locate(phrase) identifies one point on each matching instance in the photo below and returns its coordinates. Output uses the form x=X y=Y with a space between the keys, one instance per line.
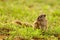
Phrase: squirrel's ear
x=44 y=15
x=38 y=18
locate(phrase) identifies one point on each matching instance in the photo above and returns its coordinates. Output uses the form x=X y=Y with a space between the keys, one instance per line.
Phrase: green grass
x=28 y=11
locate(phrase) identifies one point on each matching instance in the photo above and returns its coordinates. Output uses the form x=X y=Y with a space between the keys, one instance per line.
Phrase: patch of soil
x=19 y=38
x=2 y=37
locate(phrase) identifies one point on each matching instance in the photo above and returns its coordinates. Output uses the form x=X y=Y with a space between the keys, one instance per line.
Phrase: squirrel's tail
x=23 y=23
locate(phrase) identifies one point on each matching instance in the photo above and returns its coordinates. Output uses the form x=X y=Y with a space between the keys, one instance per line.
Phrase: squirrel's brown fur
x=40 y=23
x=22 y=23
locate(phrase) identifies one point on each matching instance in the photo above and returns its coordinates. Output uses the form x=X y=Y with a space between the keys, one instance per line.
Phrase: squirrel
x=40 y=23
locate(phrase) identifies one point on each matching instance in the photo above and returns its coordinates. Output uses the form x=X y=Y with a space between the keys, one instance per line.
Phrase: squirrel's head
x=41 y=17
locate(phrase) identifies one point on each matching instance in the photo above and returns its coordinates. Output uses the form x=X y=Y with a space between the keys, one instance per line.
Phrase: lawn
x=28 y=11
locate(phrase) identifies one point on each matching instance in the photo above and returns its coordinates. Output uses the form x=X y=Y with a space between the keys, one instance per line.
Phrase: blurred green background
x=28 y=11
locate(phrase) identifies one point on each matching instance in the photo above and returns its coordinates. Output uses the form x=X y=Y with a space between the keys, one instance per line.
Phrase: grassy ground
x=28 y=11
